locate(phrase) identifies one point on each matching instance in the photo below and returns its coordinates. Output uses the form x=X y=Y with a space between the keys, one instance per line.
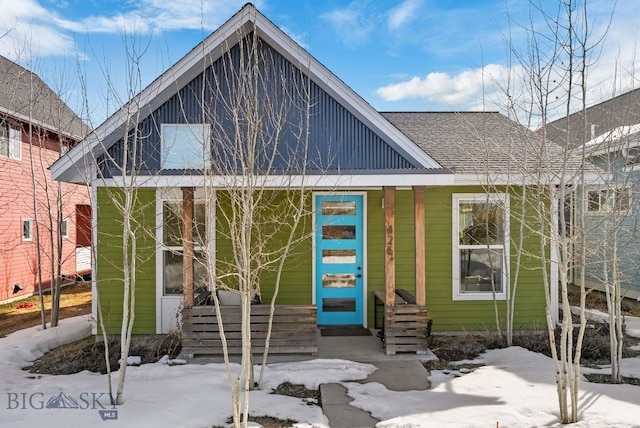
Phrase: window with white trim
x=185 y=146
x=27 y=226
x=480 y=246
x=632 y=155
x=64 y=228
x=10 y=141
x=173 y=249
x=605 y=200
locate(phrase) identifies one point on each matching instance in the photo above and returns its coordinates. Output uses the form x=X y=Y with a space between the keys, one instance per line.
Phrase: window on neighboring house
x=173 y=249
x=27 y=229
x=185 y=146
x=64 y=148
x=633 y=156
x=10 y=141
x=608 y=200
x=480 y=246
x=64 y=228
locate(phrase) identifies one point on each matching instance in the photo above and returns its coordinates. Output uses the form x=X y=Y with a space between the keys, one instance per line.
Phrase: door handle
x=359 y=275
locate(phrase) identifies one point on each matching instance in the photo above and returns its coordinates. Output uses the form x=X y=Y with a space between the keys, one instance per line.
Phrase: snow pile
x=514 y=388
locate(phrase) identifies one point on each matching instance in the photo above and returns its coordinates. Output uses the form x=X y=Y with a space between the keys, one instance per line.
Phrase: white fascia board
x=288 y=182
x=513 y=180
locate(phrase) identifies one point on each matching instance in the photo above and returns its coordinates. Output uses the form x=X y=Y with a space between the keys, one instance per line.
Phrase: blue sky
x=422 y=55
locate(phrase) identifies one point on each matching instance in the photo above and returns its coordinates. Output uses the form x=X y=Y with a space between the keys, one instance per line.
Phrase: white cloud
x=26 y=31
x=462 y=90
x=46 y=33
x=402 y=14
x=613 y=69
x=354 y=23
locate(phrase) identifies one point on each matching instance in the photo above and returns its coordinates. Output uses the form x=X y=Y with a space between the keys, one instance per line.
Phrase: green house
x=422 y=202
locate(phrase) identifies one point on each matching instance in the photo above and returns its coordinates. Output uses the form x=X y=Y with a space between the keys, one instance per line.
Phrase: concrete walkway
x=400 y=372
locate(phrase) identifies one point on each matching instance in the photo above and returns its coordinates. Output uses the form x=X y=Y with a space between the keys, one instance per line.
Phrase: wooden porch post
x=389 y=246
x=187 y=246
x=418 y=215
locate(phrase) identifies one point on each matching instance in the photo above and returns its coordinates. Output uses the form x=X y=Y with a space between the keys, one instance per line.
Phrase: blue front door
x=339 y=247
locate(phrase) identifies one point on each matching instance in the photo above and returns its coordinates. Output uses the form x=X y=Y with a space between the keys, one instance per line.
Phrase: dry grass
x=74 y=300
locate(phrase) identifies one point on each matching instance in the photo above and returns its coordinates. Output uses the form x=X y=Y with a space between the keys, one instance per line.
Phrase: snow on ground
x=515 y=388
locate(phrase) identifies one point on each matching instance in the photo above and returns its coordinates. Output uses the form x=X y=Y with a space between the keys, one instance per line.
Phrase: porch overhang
x=325 y=181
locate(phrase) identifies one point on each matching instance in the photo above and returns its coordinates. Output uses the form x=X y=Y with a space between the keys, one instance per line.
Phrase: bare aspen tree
x=254 y=181
x=48 y=125
x=554 y=69
x=117 y=177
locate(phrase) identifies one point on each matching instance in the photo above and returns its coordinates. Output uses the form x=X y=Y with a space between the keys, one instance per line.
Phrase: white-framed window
x=632 y=155
x=27 y=229
x=480 y=246
x=185 y=146
x=10 y=141
x=173 y=249
x=605 y=200
x=64 y=228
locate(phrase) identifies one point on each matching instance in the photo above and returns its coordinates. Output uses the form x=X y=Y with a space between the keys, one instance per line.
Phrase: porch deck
x=294 y=330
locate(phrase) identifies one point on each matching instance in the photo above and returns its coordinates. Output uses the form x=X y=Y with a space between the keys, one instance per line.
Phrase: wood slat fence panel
x=294 y=330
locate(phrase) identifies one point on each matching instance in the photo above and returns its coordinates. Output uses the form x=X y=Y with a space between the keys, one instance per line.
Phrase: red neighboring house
x=36 y=127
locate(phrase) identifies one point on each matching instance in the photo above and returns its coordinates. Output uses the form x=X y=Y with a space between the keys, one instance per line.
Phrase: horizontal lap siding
x=18 y=258
x=449 y=315
x=109 y=258
x=296 y=280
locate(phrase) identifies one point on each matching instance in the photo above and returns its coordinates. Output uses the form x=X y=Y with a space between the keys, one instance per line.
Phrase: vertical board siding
x=337 y=138
x=109 y=259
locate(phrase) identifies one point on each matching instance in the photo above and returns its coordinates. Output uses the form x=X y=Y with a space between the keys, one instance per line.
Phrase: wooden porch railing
x=407 y=326
x=294 y=330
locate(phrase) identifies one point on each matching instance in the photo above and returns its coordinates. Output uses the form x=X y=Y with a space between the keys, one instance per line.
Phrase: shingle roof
x=480 y=142
x=606 y=116
x=24 y=96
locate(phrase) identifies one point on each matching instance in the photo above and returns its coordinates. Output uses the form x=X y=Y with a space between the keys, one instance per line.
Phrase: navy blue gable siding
x=337 y=140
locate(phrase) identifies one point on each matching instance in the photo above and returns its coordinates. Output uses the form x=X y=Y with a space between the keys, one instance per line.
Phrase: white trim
x=607 y=208
x=369 y=181
x=204 y=129
x=159 y=261
x=174 y=195
x=364 y=248
x=22 y=224
x=554 y=265
x=497 y=179
x=94 y=259
x=503 y=199
x=65 y=233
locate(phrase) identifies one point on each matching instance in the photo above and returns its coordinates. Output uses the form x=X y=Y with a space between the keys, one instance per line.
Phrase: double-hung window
x=185 y=146
x=480 y=246
x=173 y=248
x=10 y=141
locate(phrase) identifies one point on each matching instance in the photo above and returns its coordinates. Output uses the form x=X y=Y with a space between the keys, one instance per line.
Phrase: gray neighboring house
x=609 y=133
